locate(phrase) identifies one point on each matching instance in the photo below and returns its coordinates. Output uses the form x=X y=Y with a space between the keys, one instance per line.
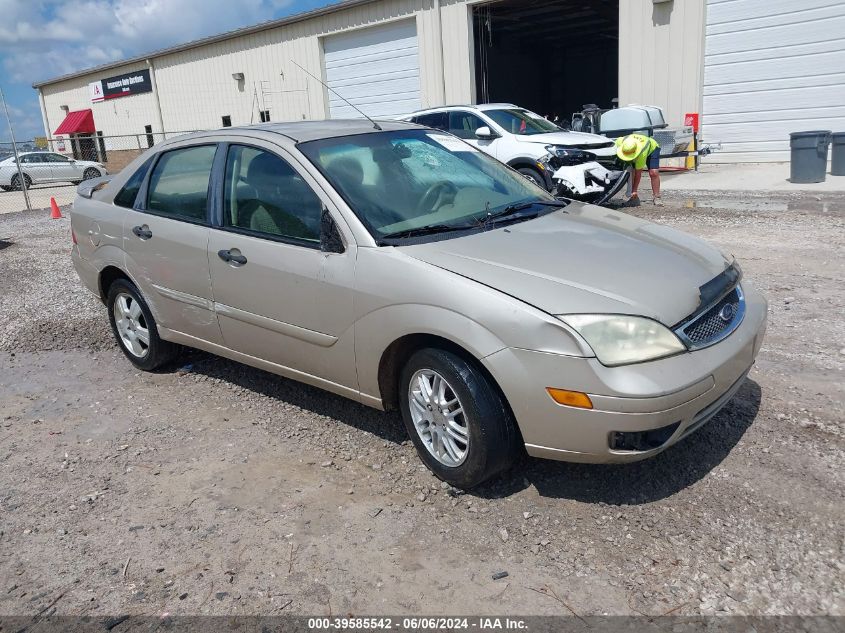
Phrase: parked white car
x=515 y=136
x=46 y=167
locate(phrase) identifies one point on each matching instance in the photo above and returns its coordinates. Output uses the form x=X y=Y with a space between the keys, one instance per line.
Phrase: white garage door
x=772 y=67
x=377 y=69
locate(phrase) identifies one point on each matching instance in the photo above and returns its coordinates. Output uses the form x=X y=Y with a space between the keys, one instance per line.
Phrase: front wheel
x=135 y=329
x=90 y=174
x=533 y=175
x=458 y=421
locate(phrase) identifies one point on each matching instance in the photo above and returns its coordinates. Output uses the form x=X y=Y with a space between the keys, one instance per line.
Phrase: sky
x=41 y=39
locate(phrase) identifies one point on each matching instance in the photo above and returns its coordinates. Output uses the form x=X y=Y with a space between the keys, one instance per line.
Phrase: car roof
x=301 y=131
x=481 y=107
x=496 y=106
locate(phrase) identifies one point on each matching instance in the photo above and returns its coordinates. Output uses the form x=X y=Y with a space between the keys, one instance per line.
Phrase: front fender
x=375 y=332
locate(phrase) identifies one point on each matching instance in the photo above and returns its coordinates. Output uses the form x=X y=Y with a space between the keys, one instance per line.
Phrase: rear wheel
x=16 y=182
x=457 y=420
x=135 y=329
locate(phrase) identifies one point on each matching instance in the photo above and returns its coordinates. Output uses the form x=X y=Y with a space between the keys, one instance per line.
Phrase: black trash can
x=837 y=158
x=808 y=156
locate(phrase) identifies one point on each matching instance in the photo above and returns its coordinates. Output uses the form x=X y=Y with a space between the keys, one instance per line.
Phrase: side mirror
x=485 y=134
x=72 y=160
x=330 y=240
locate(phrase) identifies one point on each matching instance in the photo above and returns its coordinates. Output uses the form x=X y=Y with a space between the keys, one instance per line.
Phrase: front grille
x=716 y=323
x=593 y=146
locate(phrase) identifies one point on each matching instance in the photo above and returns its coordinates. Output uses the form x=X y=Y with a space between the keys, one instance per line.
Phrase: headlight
x=620 y=340
x=569 y=156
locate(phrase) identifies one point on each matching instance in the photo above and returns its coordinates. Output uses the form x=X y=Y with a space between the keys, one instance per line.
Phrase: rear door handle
x=232 y=256
x=143 y=232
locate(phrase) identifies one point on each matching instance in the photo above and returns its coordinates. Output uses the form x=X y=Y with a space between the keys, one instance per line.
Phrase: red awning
x=79 y=122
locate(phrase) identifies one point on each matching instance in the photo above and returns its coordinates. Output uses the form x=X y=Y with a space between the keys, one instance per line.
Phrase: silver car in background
x=46 y=167
x=403 y=268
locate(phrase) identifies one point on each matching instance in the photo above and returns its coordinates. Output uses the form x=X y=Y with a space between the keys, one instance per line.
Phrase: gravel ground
x=216 y=488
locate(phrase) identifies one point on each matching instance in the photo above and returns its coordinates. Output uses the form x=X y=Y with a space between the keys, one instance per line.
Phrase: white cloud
x=41 y=39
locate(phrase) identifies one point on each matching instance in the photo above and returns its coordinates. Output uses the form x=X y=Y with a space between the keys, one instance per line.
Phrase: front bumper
x=687 y=389
x=590 y=182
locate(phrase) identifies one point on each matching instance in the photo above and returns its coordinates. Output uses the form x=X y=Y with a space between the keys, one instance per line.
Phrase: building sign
x=121 y=86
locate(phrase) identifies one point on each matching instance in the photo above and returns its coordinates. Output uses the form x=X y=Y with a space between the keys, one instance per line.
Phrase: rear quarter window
x=126 y=196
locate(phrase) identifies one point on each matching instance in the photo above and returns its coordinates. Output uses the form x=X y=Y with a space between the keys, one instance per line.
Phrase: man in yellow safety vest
x=639 y=152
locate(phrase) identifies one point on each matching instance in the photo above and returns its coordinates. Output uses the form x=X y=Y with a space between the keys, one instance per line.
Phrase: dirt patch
x=217 y=488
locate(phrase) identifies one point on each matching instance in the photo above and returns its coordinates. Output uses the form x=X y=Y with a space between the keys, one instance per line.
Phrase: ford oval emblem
x=727 y=313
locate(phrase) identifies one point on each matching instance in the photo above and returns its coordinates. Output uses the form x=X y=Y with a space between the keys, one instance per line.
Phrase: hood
x=564 y=138
x=585 y=259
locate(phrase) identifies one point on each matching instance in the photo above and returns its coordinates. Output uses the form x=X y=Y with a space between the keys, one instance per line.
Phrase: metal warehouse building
x=755 y=69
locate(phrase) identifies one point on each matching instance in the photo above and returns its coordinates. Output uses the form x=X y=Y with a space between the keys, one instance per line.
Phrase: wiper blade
x=516 y=208
x=429 y=229
x=527 y=205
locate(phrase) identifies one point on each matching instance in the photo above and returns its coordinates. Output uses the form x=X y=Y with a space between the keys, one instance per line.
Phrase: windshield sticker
x=451 y=143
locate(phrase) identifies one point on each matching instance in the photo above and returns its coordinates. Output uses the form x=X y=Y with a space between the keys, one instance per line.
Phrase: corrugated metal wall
x=660 y=55
x=196 y=87
x=772 y=67
x=126 y=115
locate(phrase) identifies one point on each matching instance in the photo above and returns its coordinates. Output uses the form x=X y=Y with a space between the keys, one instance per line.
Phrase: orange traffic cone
x=55 y=214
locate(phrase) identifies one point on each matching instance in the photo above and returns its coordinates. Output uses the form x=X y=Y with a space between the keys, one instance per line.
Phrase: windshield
x=522 y=122
x=405 y=180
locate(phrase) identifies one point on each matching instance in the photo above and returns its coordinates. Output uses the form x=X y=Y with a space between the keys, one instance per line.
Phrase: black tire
x=159 y=352
x=493 y=437
x=16 y=182
x=533 y=175
x=5 y=187
x=90 y=174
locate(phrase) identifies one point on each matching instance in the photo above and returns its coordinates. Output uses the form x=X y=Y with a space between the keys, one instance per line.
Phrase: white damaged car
x=571 y=164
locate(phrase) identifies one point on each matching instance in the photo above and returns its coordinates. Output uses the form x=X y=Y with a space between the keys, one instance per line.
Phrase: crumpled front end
x=576 y=174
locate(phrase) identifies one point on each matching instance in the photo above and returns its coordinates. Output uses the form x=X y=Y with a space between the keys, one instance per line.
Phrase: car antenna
x=328 y=87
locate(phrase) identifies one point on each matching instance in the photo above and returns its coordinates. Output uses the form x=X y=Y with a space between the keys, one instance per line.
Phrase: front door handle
x=143 y=232
x=232 y=256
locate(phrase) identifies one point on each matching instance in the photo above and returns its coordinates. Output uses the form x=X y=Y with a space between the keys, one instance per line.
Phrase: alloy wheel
x=438 y=417
x=131 y=325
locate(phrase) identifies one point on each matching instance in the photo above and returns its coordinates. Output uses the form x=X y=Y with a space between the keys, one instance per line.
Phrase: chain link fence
x=52 y=167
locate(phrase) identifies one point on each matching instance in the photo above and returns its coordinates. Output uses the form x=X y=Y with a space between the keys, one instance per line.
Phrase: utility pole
x=15 y=150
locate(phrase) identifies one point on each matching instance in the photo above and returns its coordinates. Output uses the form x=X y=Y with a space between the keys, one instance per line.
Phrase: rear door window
x=437 y=120
x=56 y=158
x=179 y=183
